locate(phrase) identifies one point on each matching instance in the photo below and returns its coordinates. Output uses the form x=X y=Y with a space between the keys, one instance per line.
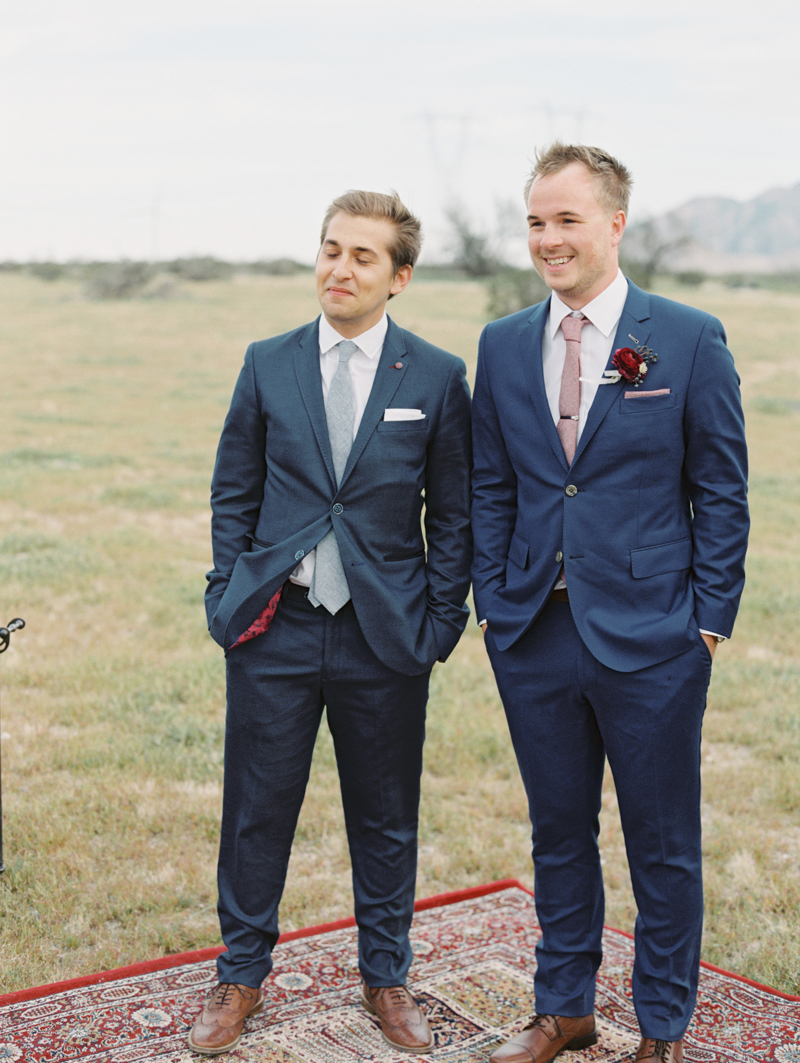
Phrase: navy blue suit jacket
x=651 y=518
x=274 y=495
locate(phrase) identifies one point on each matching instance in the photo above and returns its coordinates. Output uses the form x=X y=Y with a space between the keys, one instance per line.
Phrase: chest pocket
x=640 y=402
x=419 y=425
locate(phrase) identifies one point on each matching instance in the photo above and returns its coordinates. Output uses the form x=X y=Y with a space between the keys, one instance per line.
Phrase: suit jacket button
x=572 y=490
x=299 y=555
x=338 y=508
x=559 y=557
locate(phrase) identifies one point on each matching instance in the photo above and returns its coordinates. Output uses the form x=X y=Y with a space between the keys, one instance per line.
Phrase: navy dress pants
x=278 y=685
x=566 y=713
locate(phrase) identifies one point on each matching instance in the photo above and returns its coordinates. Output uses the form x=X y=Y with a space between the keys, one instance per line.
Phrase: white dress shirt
x=363 y=366
x=597 y=338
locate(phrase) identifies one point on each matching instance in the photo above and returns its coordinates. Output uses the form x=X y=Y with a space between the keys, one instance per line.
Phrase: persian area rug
x=474 y=960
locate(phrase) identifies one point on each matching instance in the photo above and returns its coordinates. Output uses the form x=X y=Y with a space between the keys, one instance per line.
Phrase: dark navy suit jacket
x=650 y=522
x=274 y=495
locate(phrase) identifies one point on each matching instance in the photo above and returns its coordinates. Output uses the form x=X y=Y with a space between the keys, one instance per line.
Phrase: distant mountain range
x=720 y=235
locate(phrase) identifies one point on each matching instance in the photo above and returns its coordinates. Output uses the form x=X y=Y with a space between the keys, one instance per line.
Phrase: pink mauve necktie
x=569 y=399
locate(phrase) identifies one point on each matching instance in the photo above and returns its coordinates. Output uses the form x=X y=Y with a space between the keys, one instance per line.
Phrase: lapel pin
x=397 y=365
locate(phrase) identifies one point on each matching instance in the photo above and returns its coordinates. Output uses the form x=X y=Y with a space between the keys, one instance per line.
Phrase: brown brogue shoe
x=402 y=1023
x=660 y=1051
x=546 y=1037
x=218 y=1027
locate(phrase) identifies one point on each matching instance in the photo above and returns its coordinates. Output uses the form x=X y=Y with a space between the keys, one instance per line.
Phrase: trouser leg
x=561 y=758
x=377 y=720
x=651 y=722
x=273 y=714
x=564 y=708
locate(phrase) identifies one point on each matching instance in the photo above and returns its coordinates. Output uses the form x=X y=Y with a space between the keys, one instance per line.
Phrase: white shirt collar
x=370 y=342
x=604 y=311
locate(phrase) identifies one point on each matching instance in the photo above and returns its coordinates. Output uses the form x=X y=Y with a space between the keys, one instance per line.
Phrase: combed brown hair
x=614 y=180
x=406 y=245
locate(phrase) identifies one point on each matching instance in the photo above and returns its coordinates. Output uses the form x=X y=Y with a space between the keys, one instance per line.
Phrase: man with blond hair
x=610 y=523
x=342 y=546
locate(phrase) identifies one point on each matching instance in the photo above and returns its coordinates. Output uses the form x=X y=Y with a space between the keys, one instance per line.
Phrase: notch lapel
x=633 y=330
x=530 y=348
x=387 y=381
x=309 y=380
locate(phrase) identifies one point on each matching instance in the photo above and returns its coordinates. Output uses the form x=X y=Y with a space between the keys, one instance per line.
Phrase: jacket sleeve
x=494 y=491
x=237 y=486
x=447 y=519
x=715 y=467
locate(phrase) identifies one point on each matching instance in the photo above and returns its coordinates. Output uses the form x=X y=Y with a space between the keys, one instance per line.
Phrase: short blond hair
x=405 y=247
x=614 y=180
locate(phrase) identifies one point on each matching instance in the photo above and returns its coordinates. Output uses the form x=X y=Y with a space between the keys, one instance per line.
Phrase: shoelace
x=543 y=1021
x=224 y=992
x=399 y=996
x=660 y=1050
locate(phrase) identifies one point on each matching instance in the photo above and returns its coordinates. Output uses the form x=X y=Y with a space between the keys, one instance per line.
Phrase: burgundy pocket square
x=261 y=623
x=645 y=394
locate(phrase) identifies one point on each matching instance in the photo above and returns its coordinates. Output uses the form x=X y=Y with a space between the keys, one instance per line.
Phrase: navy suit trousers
x=278 y=685
x=567 y=713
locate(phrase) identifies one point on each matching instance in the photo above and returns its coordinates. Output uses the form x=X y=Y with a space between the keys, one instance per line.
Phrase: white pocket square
x=403 y=415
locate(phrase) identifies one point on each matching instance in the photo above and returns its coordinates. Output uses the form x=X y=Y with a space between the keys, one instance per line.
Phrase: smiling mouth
x=558 y=261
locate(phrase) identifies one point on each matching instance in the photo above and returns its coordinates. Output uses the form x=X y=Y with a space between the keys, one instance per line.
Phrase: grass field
x=113 y=696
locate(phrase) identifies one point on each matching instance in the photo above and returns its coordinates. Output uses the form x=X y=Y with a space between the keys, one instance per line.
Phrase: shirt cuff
x=714 y=635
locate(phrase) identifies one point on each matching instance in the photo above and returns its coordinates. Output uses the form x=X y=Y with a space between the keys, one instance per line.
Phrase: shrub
x=205 y=268
x=512 y=290
x=117 y=280
x=278 y=267
x=691 y=278
x=47 y=271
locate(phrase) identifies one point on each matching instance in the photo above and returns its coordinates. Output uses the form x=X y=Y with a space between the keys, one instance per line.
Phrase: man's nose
x=551 y=236
x=343 y=267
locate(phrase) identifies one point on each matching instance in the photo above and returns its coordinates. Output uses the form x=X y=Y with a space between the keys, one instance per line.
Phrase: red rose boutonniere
x=631 y=365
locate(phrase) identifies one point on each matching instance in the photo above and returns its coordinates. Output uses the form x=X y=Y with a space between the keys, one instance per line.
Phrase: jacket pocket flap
x=518 y=552
x=258 y=542
x=656 y=560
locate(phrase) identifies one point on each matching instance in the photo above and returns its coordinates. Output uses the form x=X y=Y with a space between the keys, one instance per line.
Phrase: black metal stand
x=5 y=638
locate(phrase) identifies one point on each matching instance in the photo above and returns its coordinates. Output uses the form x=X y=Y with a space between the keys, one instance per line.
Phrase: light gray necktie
x=329 y=585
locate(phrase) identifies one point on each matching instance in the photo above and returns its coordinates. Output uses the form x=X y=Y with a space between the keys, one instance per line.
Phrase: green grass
x=112 y=710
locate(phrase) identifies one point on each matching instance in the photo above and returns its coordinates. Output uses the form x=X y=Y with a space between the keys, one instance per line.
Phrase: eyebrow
x=561 y=214
x=358 y=250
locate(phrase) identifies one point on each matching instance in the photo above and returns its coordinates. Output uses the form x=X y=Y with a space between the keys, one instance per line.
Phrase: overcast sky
x=161 y=128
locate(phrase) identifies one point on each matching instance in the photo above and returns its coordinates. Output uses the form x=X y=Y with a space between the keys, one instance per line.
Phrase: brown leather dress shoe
x=402 y=1023
x=660 y=1051
x=218 y=1027
x=545 y=1038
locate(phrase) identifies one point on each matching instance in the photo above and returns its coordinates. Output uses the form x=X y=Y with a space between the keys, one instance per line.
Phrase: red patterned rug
x=474 y=957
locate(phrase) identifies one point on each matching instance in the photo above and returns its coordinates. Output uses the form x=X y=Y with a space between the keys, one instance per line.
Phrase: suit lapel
x=632 y=331
x=530 y=347
x=309 y=380
x=387 y=381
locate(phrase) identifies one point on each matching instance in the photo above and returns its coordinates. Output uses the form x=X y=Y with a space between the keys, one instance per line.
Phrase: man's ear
x=400 y=282
x=618 y=222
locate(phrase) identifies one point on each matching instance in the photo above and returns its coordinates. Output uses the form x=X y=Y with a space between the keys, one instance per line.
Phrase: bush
x=47 y=271
x=117 y=280
x=513 y=290
x=204 y=268
x=278 y=267
x=690 y=278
